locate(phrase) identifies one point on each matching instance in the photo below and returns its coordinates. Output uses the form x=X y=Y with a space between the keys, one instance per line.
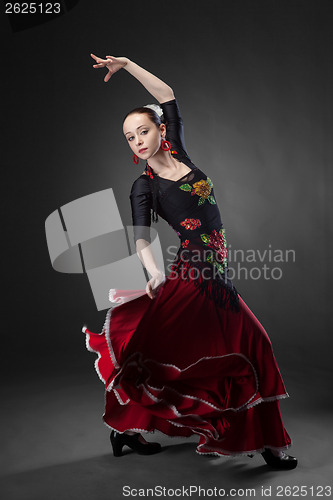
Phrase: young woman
x=188 y=356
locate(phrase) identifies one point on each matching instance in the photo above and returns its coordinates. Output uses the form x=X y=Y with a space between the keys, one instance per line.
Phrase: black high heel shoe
x=286 y=462
x=132 y=441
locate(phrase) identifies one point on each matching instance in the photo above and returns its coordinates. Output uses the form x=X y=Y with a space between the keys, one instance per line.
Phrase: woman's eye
x=130 y=138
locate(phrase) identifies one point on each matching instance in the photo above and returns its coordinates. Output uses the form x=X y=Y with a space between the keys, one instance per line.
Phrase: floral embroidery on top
x=149 y=171
x=202 y=189
x=216 y=240
x=191 y=223
x=185 y=243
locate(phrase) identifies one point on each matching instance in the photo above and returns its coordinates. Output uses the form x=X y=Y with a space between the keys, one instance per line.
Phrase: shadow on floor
x=104 y=477
x=54 y=447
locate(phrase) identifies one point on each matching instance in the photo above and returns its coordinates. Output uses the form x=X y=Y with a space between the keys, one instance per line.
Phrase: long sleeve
x=141 y=204
x=175 y=127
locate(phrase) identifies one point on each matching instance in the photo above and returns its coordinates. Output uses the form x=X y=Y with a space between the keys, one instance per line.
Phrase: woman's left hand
x=113 y=64
x=154 y=285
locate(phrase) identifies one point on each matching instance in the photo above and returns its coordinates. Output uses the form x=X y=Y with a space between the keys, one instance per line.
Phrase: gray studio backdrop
x=253 y=80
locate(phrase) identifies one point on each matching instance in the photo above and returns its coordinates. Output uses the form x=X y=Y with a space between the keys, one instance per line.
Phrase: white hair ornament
x=155 y=107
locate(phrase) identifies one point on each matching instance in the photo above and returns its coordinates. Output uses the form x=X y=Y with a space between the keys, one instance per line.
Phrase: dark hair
x=148 y=111
x=153 y=178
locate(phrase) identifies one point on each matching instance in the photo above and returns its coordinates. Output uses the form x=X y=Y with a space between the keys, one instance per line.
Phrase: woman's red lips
x=142 y=150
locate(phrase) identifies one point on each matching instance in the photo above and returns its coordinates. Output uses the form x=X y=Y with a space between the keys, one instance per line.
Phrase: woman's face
x=143 y=135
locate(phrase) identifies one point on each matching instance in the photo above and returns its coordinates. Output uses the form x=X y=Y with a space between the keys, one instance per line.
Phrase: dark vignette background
x=254 y=83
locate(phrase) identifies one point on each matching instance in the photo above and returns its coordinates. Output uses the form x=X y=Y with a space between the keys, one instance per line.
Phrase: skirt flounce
x=182 y=365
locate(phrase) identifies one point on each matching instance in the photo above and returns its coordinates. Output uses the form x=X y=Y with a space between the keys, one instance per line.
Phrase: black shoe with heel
x=286 y=462
x=132 y=441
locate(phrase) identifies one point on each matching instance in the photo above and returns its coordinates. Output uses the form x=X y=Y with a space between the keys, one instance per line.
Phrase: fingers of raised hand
x=108 y=76
x=100 y=62
x=97 y=59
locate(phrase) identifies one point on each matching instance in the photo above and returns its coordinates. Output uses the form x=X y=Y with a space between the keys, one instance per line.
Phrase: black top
x=189 y=206
x=141 y=192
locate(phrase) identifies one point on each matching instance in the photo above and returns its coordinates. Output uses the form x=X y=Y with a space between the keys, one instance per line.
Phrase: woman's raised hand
x=113 y=64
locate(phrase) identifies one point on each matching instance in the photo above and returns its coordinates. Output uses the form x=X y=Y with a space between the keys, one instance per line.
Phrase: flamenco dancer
x=187 y=356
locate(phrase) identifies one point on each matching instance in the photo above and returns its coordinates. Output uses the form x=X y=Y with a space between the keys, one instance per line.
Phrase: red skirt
x=182 y=365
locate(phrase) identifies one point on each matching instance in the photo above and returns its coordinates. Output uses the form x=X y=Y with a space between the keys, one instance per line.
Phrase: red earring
x=165 y=145
x=135 y=159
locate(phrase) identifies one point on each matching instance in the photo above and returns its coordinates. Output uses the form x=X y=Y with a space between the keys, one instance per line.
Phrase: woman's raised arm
x=156 y=87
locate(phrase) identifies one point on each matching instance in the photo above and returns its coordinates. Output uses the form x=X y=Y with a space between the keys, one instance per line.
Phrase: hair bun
x=155 y=107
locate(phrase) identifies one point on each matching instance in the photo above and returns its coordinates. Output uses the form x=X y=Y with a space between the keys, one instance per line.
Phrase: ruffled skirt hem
x=186 y=367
